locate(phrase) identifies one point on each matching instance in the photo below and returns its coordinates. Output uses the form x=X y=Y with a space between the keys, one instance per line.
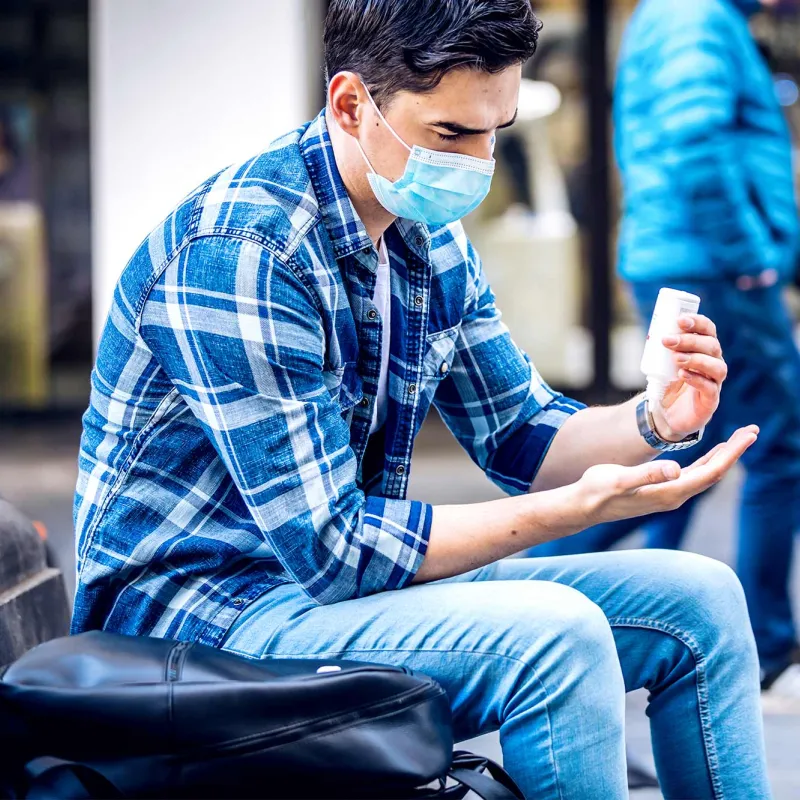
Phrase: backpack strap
x=470 y=770
x=55 y=779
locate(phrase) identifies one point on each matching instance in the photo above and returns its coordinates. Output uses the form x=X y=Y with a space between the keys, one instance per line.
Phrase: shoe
x=780 y=689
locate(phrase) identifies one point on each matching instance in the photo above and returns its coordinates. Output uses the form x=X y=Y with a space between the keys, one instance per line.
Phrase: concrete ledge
x=22 y=551
x=33 y=600
x=34 y=614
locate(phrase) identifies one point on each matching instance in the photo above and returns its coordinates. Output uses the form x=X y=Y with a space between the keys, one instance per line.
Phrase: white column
x=180 y=89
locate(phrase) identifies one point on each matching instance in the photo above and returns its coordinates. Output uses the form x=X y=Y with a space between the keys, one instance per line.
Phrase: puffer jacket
x=703 y=147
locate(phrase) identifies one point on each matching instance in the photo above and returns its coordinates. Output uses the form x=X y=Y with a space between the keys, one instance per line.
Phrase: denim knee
x=709 y=603
x=567 y=698
x=578 y=645
x=711 y=583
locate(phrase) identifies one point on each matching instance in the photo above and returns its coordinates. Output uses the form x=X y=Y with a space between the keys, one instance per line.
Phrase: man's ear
x=346 y=101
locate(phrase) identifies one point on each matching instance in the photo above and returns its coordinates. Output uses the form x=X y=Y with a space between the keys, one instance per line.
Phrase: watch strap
x=647 y=428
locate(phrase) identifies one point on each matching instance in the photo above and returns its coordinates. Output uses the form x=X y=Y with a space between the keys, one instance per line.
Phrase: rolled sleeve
x=517 y=460
x=395 y=536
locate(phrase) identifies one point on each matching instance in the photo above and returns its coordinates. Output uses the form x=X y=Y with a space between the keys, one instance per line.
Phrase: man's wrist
x=662 y=427
x=555 y=513
x=655 y=438
x=579 y=510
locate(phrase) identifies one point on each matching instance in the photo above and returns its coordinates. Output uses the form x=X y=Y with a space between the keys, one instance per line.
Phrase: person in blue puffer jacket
x=709 y=207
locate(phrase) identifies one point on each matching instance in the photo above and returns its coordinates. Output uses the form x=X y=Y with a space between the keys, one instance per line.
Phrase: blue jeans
x=544 y=649
x=763 y=387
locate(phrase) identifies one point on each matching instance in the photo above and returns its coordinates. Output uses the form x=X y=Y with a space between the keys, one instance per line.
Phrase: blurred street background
x=112 y=110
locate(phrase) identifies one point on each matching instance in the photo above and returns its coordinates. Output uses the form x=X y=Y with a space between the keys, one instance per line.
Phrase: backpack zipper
x=175 y=661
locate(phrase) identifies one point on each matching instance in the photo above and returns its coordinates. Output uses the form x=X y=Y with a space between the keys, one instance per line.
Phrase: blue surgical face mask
x=436 y=188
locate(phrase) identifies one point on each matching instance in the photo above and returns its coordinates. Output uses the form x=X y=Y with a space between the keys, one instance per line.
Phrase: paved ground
x=37 y=473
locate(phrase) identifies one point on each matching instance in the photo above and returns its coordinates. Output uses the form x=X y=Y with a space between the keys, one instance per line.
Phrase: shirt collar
x=344 y=226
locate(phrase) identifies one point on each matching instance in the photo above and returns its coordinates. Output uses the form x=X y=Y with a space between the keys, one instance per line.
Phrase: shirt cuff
x=515 y=462
x=395 y=536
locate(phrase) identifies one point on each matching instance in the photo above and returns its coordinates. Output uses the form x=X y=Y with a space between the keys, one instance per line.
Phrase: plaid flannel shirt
x=226 y=446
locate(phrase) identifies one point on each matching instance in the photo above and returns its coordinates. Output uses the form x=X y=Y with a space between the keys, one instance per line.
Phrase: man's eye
x=453 y=137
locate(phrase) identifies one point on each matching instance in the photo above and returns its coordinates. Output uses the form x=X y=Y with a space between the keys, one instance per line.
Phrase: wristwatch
x=647 y=427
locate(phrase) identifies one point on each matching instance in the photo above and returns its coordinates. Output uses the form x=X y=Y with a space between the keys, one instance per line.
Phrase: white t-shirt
x=383 y=302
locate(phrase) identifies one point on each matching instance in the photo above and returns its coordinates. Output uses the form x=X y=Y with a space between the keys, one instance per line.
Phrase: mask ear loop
x=364 y=156
x=383 y=119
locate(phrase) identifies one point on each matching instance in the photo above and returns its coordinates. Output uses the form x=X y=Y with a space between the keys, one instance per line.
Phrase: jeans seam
x=374 y=652
x=712 y=759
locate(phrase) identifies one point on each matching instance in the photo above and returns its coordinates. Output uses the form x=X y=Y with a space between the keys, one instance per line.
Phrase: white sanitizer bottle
x=658 y=363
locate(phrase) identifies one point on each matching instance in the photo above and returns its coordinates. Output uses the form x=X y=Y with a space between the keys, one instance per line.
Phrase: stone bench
x=33 y=600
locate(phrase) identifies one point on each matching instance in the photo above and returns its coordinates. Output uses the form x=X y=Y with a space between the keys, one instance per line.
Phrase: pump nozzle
x=656 y=389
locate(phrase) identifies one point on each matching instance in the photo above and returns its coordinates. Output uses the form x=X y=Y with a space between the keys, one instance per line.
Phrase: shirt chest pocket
x=439 y=355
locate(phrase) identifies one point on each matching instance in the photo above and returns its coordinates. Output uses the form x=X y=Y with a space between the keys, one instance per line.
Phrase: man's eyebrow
x=462 y=130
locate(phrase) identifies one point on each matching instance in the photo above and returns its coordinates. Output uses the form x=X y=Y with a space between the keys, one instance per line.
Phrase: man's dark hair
x=409 y=45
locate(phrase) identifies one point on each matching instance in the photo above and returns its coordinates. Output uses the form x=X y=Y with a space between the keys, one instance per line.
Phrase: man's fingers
x=662 y=485
x=732 y=450
x=703 y=385
x=711 y=453
x=714 y=368
x=697 y=323
x=705 y=459
x=650 y=474
x=694 y=343
x=723 y=458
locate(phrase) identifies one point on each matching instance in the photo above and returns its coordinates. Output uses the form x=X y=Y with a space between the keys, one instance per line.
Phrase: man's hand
x=690 y=401
x=470 y=536
x=609 y=492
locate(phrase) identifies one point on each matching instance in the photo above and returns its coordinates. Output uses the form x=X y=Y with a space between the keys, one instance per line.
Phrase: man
x=272 y=350
x=705 y=157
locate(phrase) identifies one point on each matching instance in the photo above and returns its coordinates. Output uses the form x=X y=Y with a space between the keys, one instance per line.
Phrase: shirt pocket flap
x=345 y=385
x=440 y=354
x=352 y=387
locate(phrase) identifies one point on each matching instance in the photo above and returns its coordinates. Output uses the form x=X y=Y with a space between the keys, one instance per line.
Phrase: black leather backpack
x=101 y=715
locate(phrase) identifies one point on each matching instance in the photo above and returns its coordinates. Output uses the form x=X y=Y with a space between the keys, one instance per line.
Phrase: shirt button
x=400 y=470
x=412 y=389
x=372 y=314
x=444 y=368
x=418 y=301
x=238 y=601
x=419 y=241
x=364 y=402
